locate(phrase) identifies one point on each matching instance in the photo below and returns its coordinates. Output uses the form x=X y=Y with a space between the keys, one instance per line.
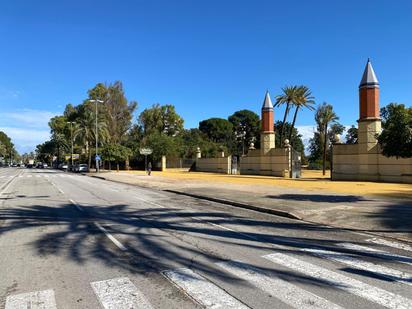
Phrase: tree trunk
x=282 y=131
x=117 y=163
x=110 y=165
x=325 y=134
x=293 y=125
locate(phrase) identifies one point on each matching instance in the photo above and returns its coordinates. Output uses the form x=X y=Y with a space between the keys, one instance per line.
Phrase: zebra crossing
x=122 y=293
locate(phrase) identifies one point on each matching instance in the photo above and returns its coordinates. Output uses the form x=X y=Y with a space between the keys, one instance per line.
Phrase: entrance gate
x=295 y=164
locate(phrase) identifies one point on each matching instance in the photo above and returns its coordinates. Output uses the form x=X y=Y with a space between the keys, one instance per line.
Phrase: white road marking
x=119 y=293
x=201 y=290
x=333 y=279
x=286 y=292
x=38 y=176
x=29 y=176
x=378 y=253
x=392 y=244
x=77 y=205
x=34 y=300
x=111 y=237
x=349 y=260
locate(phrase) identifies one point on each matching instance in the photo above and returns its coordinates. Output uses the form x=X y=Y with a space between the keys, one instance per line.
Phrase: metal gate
x=234 y=165
x=295 y=163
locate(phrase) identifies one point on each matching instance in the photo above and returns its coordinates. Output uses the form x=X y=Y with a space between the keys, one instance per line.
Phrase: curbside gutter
x=272 y=211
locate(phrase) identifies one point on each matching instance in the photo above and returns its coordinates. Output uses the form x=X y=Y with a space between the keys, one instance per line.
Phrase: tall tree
x=246 y=129
x=289 y=96
x=304 y=99
x=218 y=130
x=324 y=117
x=396 y=137
x=118 y=112
x=161 y=119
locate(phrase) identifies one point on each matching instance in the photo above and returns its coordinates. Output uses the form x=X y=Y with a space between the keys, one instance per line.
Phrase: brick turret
x=267 y=136
x=369 y=94
x=369 y=122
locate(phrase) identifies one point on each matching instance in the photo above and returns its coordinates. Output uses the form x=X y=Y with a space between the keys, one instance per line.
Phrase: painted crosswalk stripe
x=378 y=253
x=119 y=293
x=286 y=292
x=392 y=244
x=201 y=290
x=334 y=279
x=34 y=300
x=29 y=176
x=354 y=262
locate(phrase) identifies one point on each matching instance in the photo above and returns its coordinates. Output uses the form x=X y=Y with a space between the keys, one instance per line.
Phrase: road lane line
x=76 y=205
x=34 y=300
x=333 y=279
x=392 y=244
x=202 y=290
x=378 y=253
x=119 y=293
x=281 y=289
x=111 y=237
x=354 y=262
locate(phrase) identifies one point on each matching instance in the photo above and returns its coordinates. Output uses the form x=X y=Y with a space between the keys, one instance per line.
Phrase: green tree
x=161 y=119
x=116 y=153
x=324 y=117
x=246 y=129
x=304 y=99
x=396 y=137
x=193 y=139
x=218 y=130
x=289 y=96
x=163 y=145
x=352 y=135
x=118 y=112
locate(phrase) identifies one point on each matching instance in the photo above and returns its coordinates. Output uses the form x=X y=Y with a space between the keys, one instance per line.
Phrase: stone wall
x=214 y=165
x=275 y=163
x=354 y=162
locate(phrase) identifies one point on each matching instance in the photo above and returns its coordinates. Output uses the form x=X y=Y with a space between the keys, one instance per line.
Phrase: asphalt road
x=71 y=241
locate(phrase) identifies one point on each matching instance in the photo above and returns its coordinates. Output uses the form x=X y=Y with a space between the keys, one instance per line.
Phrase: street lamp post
x=97 y=134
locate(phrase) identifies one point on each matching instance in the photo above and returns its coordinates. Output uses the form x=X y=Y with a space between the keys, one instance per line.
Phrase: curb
x=276 y=212
x=271 y=211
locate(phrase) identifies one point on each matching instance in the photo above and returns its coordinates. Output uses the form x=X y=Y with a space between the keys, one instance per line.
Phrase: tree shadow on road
x=162 y=238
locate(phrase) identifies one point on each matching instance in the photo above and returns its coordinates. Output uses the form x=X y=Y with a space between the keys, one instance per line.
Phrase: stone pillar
x=163 y=167
x=267 y=135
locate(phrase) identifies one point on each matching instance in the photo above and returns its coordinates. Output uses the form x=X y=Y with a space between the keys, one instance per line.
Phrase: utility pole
x=97 y=135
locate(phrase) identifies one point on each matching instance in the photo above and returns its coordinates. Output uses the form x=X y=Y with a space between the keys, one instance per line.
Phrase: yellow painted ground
x=311 y=181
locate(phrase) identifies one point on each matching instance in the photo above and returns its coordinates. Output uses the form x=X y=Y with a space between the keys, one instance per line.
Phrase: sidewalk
x=378 y=208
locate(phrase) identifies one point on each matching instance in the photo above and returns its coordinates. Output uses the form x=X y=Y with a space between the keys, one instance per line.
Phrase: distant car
x=29 y=165
x=64 y=167
x=82 y=168
x=45 y=165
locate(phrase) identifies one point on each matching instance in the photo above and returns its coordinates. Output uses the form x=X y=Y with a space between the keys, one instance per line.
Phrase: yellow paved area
x=310 y=181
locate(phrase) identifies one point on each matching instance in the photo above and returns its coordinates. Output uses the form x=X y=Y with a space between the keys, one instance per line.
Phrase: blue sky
x=208 y=58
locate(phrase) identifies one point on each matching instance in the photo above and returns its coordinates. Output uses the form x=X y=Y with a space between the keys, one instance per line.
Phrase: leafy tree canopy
x=246 y=129
x=396 y=137
x=218 y=130
x=161 y=119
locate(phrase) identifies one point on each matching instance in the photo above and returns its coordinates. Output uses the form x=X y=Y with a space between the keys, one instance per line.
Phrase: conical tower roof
x=369 y=78
x=267 y=103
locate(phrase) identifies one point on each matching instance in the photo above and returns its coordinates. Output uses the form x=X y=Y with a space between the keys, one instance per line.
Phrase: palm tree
x=304 y=99
x=85 y=131
x=290 y=95
x=324 y=117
